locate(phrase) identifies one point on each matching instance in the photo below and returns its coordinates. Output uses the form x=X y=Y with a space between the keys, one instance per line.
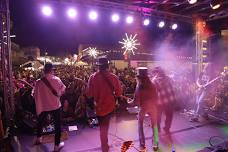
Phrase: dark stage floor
x=185 y=136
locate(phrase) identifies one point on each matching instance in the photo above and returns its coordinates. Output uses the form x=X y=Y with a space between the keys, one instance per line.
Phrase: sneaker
x=155 y=148
x=37 y=141
x=59 y=147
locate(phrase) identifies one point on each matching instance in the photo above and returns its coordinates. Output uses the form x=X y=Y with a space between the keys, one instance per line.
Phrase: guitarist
x=201 y=82
x=104 y=86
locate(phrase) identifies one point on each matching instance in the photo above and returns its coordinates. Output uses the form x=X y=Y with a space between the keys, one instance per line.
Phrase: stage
x=185 y=136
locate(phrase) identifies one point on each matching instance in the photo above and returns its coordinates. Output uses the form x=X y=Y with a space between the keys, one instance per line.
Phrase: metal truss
x=6 y=63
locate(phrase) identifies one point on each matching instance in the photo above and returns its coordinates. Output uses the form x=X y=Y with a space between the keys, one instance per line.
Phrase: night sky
x=60 y=36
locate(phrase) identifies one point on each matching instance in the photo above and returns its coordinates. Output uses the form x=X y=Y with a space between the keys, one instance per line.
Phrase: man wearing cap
x=47 y=94
x=146 y=98
x=103 y=86
x=166 y=96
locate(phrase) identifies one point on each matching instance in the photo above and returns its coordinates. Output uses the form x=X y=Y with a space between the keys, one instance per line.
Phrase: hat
x=159 y=70
x=102 y=61
x=48 y=67
x=142 y=72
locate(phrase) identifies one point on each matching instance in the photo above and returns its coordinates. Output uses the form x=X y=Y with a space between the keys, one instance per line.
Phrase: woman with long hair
x=146 y=98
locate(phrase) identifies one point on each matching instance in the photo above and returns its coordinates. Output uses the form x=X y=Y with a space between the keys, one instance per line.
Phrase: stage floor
x=185 y=136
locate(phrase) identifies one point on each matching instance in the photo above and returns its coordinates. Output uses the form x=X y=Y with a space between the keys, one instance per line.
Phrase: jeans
x=104 y=122
x=168 y=111
x=199 y=102
x=57 y=124
x=152 y=112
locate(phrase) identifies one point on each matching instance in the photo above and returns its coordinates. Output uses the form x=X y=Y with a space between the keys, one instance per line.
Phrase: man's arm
x=89 y=87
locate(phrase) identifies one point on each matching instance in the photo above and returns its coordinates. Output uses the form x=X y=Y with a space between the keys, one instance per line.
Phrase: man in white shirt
x=47 y=94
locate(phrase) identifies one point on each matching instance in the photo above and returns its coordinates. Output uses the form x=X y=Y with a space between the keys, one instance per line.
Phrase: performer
x=146 y=98
x=104 y=87
x=167 y=98
x=203 y=79
x=47 y=94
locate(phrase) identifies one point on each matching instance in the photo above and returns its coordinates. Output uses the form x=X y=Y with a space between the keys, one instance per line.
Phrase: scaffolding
x=6 y=63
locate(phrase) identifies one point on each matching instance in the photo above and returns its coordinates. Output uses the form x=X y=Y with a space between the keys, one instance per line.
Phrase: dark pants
x=57 y=123
x=104 y=122
x=168 y=111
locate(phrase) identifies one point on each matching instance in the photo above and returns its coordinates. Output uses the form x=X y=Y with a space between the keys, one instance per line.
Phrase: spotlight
x=161 y=24
x=71 y=13
x=192 y=1
x=146 y=22
x=93 y=15
x=115 y=17
x=174 y=26
x=46 y=10
x=215 y=4
x=129 y=19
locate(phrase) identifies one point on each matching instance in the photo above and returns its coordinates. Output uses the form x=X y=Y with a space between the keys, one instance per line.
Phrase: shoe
x=195 y=119
x=37 y=141
x=155 y=148
x=142 y=149
x=59 y=147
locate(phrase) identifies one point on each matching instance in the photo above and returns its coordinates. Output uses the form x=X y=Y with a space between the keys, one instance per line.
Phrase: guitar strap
x=47 y=83
x=109 y=84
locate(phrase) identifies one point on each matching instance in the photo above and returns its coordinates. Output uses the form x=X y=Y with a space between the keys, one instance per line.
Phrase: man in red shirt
x=104 y=87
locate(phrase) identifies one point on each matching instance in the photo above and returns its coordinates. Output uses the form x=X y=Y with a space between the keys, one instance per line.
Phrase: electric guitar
x=126 y=145
x=223 y=74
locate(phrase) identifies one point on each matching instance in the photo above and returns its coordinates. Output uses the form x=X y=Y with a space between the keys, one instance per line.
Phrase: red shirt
x=99 y=89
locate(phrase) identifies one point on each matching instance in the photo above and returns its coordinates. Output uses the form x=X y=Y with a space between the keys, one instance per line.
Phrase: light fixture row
x=93 y=15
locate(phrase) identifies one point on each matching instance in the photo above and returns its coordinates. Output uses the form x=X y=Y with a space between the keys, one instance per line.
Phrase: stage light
x=93 y=15
x=161 y=24
x=115 y=17
x=146 y=22
x=174 y=26
x=215 y=4
x=192 y=1
x=129 y=20
x=46 y=10
x=72 y=13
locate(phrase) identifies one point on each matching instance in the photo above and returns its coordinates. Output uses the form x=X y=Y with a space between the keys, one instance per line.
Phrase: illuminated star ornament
x=93 y=52
x=129 y=44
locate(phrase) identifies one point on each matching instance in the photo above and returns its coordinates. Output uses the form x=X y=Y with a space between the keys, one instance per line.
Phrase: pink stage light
x=47 y=10
x=72 y=13
x=93 y=15
x=129 y=20
x=115 y=17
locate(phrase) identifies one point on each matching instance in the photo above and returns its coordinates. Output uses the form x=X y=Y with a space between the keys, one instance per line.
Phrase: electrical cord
x=214 y=141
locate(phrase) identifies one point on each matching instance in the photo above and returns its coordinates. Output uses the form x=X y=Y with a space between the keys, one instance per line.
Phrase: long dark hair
x=145 y=83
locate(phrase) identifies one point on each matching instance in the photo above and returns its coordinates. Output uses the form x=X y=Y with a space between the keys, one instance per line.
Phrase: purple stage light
x=93 y=15
x=161 y=24
x=146 y=22
x=115 y=17
x=72 y=13
x=47 y=10
x=129 y=19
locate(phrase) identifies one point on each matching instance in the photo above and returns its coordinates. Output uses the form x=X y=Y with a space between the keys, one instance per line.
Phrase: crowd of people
x=75 y=80
x=76 y=105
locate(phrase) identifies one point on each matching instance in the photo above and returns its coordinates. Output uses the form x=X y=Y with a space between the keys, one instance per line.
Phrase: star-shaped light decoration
x=93 y=52
x=129 y=44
